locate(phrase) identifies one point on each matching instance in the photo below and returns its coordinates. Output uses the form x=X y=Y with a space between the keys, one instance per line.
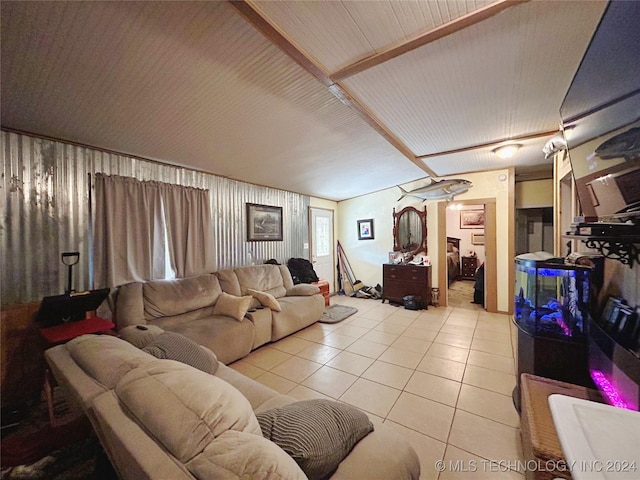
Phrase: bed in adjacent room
x=453 y=259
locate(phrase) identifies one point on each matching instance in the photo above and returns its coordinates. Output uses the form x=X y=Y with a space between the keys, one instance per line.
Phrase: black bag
x=302 y=271
x=412 y=302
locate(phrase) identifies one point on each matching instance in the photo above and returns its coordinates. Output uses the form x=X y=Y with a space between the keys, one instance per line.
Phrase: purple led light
x=565 y=328
x=608 y=389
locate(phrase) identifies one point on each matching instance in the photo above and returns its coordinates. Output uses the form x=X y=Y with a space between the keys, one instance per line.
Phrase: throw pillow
x=318 y=434
x=302 y=290
x=232 y=306
x=266 y=299
x=140 y=335
x=173 y=346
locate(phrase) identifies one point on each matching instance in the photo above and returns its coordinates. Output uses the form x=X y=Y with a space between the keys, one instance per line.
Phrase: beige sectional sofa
x=161 y=419
x=188 y=306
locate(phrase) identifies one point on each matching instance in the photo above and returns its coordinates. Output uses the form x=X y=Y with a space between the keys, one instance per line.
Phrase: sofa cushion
x=229 y=282
x=264 y=278
x=165 y=298
x=106 y=358
x=238 y=455
x=173 y=346
x=297 y=313
x=302 y=290
x=232 y=306
x=317 y=434
x=265 y=299
x=183 y=408
x=229 y=339
x=140 y=335
x=129 y=305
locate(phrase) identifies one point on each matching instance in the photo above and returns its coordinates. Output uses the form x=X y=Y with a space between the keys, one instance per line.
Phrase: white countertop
x=599 y=441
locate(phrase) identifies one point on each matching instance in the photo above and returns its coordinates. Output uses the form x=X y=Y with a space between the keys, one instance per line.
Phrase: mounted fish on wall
x=438 y=190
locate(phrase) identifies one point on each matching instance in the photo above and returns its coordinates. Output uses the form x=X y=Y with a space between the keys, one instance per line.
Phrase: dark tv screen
x=601 y=118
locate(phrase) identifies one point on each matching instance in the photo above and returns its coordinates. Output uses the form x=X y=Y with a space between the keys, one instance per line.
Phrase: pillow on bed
x=455 y=249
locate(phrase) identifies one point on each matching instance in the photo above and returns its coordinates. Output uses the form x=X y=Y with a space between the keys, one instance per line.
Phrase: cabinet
x=401 y=280
x=469 y=266
x=323 y=285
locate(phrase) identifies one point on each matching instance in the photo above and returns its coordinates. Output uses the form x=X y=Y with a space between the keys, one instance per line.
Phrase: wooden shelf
x=624 y=248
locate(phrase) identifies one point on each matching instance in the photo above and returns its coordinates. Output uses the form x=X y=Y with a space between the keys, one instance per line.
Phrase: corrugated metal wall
x=45 y=211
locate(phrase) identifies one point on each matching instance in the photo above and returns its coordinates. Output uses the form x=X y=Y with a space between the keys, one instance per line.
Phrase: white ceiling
x=333 y=99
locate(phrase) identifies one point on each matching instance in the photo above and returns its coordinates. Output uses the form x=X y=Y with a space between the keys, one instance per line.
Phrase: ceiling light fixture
x=507 y=151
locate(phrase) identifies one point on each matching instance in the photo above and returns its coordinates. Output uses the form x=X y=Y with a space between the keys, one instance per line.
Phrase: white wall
x=534 y=194
x=367 y=256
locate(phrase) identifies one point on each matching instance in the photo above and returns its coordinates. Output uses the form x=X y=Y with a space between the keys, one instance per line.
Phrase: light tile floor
x=442 y=377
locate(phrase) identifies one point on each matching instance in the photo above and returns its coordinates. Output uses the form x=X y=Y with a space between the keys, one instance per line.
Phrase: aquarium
x=551 y=298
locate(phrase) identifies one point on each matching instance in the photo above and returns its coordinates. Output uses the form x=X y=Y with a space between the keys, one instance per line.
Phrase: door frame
x=332 y=280
x=490 y=251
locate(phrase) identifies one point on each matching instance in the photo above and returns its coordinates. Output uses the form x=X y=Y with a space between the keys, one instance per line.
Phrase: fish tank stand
x=551 y=308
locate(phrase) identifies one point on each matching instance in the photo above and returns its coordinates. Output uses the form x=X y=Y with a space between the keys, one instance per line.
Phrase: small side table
x=323 y=285
x=68 y=331
x=60 y=334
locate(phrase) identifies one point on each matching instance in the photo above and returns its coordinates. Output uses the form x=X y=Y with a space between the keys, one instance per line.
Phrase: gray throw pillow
x=173 y=346
x=317 y=434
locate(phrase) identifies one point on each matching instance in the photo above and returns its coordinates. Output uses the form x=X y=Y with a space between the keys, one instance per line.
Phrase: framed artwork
x=471 y=218
x=264 y=223
x=365 y=229
x=477 y=238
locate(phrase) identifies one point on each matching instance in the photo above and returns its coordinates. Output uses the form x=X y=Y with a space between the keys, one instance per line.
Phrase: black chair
x=478 y=289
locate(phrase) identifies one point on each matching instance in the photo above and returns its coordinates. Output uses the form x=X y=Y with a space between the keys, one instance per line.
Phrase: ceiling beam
x=279 y=39
x=345 y=97
x=425 y=38
x=495 y=143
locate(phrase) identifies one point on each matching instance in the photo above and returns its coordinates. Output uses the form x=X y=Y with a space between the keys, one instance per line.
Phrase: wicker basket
x=540 y=443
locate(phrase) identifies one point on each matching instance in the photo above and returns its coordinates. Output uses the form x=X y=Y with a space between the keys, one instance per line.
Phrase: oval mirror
x=410 y=230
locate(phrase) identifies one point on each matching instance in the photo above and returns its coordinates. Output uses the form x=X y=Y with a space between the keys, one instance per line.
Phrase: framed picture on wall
x=477 y=238
x=471 y=218
x=365 y=229
x=264 y=223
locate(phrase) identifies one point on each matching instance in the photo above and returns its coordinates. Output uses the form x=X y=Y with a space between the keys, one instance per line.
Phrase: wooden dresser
x=401 y=280
x=469 y=265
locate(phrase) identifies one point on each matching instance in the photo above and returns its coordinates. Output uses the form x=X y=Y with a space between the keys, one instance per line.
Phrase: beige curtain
x=137 y=225
x=187 y=215
x=127 y=213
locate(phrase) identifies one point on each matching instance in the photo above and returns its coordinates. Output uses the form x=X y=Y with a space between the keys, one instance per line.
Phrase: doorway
x=322 y=245
x=490 y=261
x=534 y=230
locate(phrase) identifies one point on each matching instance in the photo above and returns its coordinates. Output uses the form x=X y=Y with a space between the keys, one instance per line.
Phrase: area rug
x=461 y=295
x=337 y=313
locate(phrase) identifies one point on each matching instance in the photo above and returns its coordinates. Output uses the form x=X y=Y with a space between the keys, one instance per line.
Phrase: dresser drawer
x=405 y=273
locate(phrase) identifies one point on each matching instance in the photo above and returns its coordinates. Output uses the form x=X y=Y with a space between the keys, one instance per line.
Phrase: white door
x=322 y=247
